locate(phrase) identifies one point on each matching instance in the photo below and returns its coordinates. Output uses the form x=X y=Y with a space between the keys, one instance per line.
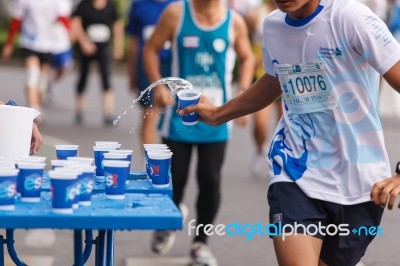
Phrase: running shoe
x=201 y=255
x=162 y=241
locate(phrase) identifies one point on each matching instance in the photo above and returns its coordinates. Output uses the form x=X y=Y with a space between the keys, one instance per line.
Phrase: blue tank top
x=206 y=58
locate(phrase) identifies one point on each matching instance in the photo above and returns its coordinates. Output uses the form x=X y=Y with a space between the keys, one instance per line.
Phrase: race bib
x=216 y=95
x=98 y=33
x=306 y=88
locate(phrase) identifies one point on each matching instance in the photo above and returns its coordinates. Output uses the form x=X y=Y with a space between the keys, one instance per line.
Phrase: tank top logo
x=205 y=60
x=219 y=45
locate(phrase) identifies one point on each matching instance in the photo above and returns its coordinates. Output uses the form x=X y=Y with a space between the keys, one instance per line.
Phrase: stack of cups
x=62 y=163
x=84 y=184
x=63 y=190
x=30 y=177
x=116 y=173
x=8 y=180
x=158 y=164
x=99 y=149
x=65 y=151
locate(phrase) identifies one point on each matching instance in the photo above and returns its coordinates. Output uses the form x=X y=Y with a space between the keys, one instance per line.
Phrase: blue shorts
x=289 y=205
x=142 y=81
x=62 y=60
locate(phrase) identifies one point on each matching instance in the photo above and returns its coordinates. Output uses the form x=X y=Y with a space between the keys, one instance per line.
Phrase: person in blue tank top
x=206 y=37
x=142 y=18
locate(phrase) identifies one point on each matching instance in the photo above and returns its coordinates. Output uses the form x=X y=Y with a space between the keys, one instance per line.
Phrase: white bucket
x=16 y=130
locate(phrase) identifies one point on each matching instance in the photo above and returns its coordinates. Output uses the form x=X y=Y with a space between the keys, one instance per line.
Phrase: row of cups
x=158 y=164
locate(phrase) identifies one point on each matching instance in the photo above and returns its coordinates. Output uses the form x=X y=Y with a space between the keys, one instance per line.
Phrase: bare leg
x=298 y=250
x=148 y=132
x=108 y=102
x=32 y=65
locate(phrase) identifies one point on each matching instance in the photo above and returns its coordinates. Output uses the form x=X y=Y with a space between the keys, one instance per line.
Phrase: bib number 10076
x=305 y=84
x=305 y=87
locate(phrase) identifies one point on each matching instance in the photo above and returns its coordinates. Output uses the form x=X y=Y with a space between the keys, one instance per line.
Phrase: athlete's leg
x=210 y=161
x=148 y=131
x=297 y=250
x=32 y=64
x=84 y=62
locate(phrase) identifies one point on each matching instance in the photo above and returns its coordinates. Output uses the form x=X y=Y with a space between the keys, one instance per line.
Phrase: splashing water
x=175 y=84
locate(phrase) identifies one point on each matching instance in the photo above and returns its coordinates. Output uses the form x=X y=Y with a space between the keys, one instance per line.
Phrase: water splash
x=175 y=85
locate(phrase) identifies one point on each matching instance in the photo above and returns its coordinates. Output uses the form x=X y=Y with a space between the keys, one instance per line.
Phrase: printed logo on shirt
x=219 y=45
x=191 y=41
x=329 y=53
x=205 y=60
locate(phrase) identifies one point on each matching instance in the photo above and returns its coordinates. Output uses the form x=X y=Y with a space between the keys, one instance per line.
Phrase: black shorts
x=44 y=58
x=290 y=206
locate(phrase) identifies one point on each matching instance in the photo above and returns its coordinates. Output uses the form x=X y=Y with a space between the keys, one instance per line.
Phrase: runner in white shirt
x=36 y=19
x=324 y=58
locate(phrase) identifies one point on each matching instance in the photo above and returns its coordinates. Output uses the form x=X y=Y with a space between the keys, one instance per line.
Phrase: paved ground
x=244 y=197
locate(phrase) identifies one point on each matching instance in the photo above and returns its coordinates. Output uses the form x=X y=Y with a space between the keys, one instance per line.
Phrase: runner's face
x=297 y=9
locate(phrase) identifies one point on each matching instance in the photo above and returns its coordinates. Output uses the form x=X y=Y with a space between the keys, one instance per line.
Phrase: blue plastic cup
x=65 y=151
x=86 y=185
x=116 y=173
x=63 y=190
x=62 y=163
x=34 y=159
x=154 y=149
x=29 y=181
x=104 y=143
x=99 y=157
x=74 y=169
x=8 y=180
x=186 y=98
x=160 y=168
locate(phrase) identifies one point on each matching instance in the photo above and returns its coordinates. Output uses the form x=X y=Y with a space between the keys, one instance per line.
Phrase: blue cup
x=65 y=151
x=160 y=168
x=153 y=149
x=8 y=180
x=63 y=190
x=87 y=185
x=74 y=169
x=186 y=98
x=116 y=173
x=99 y=157
x=29 y=181
x=82 y=160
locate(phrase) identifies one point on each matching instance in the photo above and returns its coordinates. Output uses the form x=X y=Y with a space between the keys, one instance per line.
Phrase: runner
x=328 y=150
x=205 y=36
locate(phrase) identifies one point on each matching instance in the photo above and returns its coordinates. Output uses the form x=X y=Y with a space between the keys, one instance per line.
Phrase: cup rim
x=80 y=159
x=159 y=155
x=28 y=158
x=53 y=174
x=104 y=148
x=115 y=163
x=30 y=165
x=8 y=172
x=115 y=156
x=105 y=142
x=122 y=151
x=66 y=147
x=189 y=98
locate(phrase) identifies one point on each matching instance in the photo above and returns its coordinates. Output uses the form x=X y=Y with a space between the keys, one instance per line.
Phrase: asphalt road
x=243 y=199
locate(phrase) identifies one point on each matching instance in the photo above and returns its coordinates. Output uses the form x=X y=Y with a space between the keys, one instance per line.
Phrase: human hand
x=386 y=191
x=36 y=140
x=7 y=51
x=205 y=108
x=88 y=48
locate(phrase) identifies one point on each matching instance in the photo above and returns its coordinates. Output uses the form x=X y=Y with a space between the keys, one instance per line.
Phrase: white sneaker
x=259 y=165
x=202 y=256
x=162 y=242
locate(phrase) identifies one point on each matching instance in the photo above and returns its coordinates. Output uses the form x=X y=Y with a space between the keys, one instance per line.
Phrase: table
x=135 y=212
x=137 y=183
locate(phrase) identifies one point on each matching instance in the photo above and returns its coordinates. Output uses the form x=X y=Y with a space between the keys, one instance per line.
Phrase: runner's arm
x=393 y=77
x=261 y=94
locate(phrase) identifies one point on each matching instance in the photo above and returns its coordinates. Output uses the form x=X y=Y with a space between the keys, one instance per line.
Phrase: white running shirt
x=329 y=140
x=38 y=17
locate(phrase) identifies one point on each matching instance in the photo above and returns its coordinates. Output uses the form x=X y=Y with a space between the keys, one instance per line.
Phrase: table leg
x=88 y=246
x=78 y=248
x=11 y=249
x=2 y=242
x=110 y=248
x=100 y=248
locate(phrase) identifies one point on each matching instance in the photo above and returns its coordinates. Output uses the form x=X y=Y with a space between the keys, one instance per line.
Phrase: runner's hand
x=36 y=140
x=205 y=108
x=386 y=192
